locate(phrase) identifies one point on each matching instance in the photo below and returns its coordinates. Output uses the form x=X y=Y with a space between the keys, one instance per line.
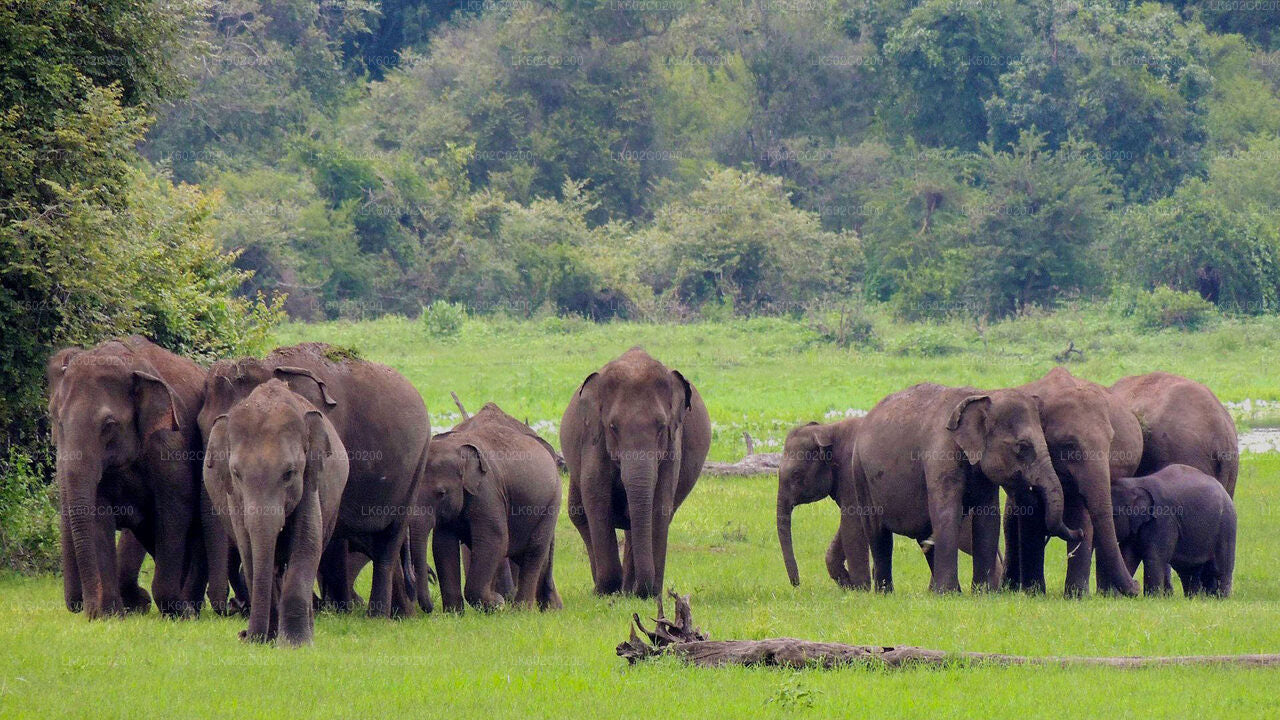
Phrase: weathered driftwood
x=465 y=415
x=754 y=464
x=680 y=638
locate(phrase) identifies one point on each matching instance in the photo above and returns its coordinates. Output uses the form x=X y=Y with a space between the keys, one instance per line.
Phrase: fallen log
x=680 y=638
x=754 y=464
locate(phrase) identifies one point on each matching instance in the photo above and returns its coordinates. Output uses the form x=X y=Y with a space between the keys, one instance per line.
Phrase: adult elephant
x=634 y=437
x=817 y=460
x=927 y=455
x=1092 y=438
x=384 y=426
x=1182 y=422
x=128 y=457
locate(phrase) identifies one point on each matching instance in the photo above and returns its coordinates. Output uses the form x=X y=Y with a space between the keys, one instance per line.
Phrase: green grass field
x=759 y=375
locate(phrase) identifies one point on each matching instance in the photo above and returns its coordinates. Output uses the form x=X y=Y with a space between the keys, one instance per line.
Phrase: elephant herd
x=281 y=477
x=1142 y=472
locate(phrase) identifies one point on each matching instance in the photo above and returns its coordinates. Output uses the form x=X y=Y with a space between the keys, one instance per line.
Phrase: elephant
x=384 y=427
x=925 y=455
x=128 y=457
x=493 y=486
x=276 y=469
x=816 y=459
x=634 y=437
x=1093 y=438
x=1179 y=517
x=1183 y=422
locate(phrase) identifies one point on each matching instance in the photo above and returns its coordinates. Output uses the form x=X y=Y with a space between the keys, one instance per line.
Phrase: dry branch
x=682 y=639
x=456 y=401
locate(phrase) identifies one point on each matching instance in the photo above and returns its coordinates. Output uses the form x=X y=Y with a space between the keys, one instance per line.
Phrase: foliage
x=443 y=319
x=1165 y=307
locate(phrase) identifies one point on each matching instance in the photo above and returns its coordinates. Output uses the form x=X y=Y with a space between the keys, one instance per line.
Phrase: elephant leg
x=532 y=565
x=401 y=604
x=488 y=551
x=945 y=509
x=882 y=555
x=1012 y=549
x=578 y=516
x=447 y=553
x=112 y=603
x=661 y=531
x=129 y=557
x=172 y=525
x=504 y=580
x=1080 y=560
x=335 y=584
x=548 y=596
x=1224 y=562
x=985 y=526
x=856 y=548
x=235 y=576
x=1155 y=572
x=835 y=562
x=421 y=567
x=385 y=551
x=606 y=568
x=1032 y=536
x=216 y=543
x=1192 y=583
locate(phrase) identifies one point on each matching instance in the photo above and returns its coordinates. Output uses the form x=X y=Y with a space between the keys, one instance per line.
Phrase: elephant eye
x=1025 y=450
x=613 y=427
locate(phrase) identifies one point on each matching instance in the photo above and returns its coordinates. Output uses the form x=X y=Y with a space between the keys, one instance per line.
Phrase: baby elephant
x=276 y=469
x=494 y=487
x=1176 y=517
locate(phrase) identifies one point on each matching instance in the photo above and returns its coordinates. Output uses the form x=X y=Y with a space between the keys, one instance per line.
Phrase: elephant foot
x=246 y=636
x=75 y=605
x=236 y=606
x=135 y=599
x=180 y=609
x=108 y=609
x=552 y=602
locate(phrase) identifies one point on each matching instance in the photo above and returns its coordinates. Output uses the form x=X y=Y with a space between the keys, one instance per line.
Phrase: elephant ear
x=319 y=449
x=324 y=389
x=593 y=425
x=54 y=370
x=156 y=405
x=682 y=402
x=217 y=455
x=968 y=426
x=474 y=468
x=824 y=436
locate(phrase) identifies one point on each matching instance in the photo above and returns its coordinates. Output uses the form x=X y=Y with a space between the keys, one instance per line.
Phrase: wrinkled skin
x=1183 y=422
x=124 y=425
x=493 y=486
x=276 y=469
x=1178 y=517
x=634 y=437
x=816 y=460
x=384 y=427
x=926 y=455
x=1092 y=438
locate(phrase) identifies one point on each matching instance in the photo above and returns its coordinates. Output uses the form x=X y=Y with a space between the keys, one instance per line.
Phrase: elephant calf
x=276 y=469
x=1178 y=517
x=493 y=486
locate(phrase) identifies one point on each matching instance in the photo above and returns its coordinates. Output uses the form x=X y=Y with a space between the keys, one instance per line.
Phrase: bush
x=443 y=319
x=1165 y=307
x=925 y=341
x=844 y=325
x=28 y=513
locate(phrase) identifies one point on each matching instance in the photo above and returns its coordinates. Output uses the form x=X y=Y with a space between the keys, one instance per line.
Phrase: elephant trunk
x=1046 y=482
x=785 y=507
x=264 y=529
x=78 y=490
x=639 y=478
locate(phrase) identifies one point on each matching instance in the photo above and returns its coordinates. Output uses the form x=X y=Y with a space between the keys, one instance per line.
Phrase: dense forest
x=198 y=169
x=620 y=158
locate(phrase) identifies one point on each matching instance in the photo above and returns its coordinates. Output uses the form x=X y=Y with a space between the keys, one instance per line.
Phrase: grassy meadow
x=756 y=375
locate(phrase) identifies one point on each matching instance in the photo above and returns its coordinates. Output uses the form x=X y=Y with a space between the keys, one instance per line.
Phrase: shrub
x=926 y=341
x=844 y=325
x=443 y=319
x=1165 y=307
x=28 y=513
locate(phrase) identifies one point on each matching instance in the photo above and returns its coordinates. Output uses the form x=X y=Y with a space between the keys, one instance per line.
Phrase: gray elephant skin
x=128 y=458
x=634 y=437
x=927 y=455
x=1177 y=517
x=384 y=427
x=493 y=486
x=276 y=469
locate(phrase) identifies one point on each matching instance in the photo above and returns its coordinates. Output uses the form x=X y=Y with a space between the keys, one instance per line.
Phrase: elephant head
x=230 y=381
x=263 y=456
x=456 y=469
x=634 y=412
x=806 y=474
x=1132 y=507
x=105 y=404
x=999 y=433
